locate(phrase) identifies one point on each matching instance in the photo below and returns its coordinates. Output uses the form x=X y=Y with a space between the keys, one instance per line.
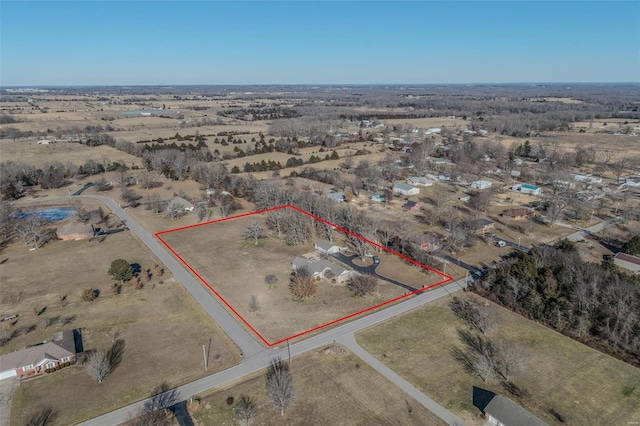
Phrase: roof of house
x=63 y=345
x=324 y=244
x=336 y=196
x=409 y=204
x=186 y=204
x=317 y=267
x=419 y=179
x=481 y=182
x=403 y=187
x=510 y=413
x=627 y=258
x=74 y=228
x=529 y=186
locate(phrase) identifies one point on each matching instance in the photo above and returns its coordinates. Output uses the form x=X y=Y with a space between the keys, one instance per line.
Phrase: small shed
x=481 y=226
x=336 y=197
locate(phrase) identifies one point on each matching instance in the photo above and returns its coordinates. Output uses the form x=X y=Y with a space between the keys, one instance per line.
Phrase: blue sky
x=208 y=42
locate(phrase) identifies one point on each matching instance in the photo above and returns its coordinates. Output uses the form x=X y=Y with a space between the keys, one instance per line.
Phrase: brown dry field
x=29 y=152
x=582 y=384
x=331 y=388
x=237 y=269
x=156 y=322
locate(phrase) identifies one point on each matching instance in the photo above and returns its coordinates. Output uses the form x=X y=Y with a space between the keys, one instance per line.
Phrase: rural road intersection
x=257 y=357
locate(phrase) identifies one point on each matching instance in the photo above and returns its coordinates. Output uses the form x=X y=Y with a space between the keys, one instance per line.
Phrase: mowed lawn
x=162 y=326
x=237 y=269
x=583 y=385
x=331 y=389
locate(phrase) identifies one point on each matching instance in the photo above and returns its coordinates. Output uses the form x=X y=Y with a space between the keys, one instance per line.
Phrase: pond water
x=150 y=111
x=49 y=215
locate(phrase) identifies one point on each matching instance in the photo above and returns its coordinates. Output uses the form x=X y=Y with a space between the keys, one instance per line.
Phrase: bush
x=90 y=294
x=362 y=285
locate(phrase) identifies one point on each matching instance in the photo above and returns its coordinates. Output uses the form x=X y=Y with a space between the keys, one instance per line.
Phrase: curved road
x=369 y=270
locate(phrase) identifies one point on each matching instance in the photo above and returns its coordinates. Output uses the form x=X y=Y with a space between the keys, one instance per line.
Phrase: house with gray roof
x=43 y=357
x=502 y=411
x=404 y=189
x=337 y=197
x=323 y=269
x=326 y=247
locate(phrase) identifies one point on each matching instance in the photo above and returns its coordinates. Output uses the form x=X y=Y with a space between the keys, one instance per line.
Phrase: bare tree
x=510 y=359
x=156 y=411
x=6 y=224
x=148 y=179
x=175 y=209
x=98 y=365
x=254 y=305
x=32 y=230
x=555 y=209
x=280 y=388
x=203 y=212
x=255 y=231
x=271 y=280
x=42 y=416
x=154 y=203
x=302 y=284
x=362 y=285
x=246 y=410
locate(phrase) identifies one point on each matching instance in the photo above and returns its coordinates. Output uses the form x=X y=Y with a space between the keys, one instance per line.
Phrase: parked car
x=501 y=243
x=376 y=259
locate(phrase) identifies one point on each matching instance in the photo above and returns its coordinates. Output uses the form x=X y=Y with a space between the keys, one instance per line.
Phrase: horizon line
x=21 y=86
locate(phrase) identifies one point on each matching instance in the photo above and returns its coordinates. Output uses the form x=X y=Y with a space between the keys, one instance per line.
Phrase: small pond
x=50 y=215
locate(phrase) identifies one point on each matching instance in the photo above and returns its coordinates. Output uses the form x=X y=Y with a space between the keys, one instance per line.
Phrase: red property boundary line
x=446 y=278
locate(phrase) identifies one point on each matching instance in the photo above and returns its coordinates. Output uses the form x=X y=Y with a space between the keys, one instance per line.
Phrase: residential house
x=336 y=197
x=427 y=241
x=464 y=198
x=632 y=181
x=515 y=173
x=323 y=269
x=378 y=198
x=411 y=205
x=587 y=179
x=627 y=261
x=186 y=205
x=75 y=231
x=416 y=180
x=44 y=357
x=404 y=189
x=519 y=213
x=481 y=184
x=482 y=226
x=501 y=411
x=527 y=189
x=327 y=247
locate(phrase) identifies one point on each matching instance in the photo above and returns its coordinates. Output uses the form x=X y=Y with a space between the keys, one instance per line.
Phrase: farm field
x=582 y=385
x=30 y=152
x=156 y=322
x=236 y=269
x=333 y=386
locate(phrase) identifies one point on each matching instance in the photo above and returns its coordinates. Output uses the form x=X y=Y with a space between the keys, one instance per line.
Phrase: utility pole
x=519 y=238
x=206 y=363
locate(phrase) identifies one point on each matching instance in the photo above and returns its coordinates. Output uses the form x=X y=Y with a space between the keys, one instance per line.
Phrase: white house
x=587 y=179
x=416 y=180
x=336 y=197
x=329 y=271
x=481 y=184
x=404 y=189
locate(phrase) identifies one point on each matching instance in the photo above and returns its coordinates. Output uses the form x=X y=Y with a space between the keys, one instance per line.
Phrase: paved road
x=369 y=270
x=262 y=359
x=581 y=234
x=241 y=337
x=350 y=342
x=256 y=356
